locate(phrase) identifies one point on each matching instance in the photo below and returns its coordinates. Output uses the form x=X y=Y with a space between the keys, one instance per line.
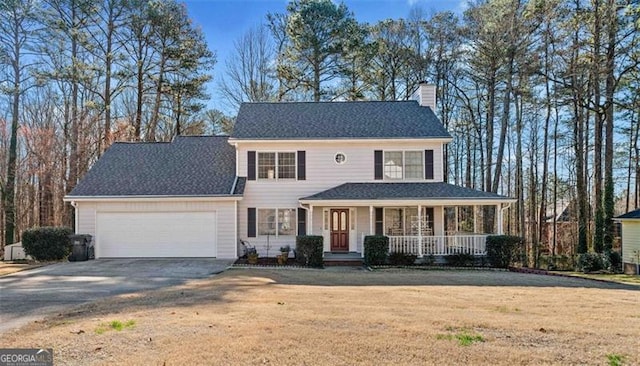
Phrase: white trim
x=410 y=202
x=225 y=197
x=235 y=227
x=277 y=165
x=337 y=140
x=404 y=166
x=276 y=209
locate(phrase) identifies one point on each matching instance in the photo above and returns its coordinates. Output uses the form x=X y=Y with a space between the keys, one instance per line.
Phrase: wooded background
x=542 y=96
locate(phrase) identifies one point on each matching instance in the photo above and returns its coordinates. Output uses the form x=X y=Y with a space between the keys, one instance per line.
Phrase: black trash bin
x=81 y=245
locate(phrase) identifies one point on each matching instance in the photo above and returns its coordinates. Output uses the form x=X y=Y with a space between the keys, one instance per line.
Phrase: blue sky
x=223 y=21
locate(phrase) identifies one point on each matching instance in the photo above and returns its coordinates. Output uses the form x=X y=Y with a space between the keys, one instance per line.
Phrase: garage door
x=155 y=234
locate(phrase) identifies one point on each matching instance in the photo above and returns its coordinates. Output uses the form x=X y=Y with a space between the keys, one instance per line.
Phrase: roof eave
x=410 y=201
x=220 y=197
x=234 y=140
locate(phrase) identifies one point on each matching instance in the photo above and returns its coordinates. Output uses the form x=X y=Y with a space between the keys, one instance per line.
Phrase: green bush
x=47 y=243
x=402 y=259
x=591 y=262
x=503 y=250
x=376 y=249
x=615 y=260
x=460 y=260
x=309 y=250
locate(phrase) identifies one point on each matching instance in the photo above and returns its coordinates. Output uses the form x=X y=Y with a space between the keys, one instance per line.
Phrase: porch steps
x=343 y=259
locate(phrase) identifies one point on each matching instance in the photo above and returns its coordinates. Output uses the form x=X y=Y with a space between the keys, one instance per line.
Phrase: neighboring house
x=342 y=170
x=630 y=241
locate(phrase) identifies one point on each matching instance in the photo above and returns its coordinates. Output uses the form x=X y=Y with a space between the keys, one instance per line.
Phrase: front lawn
x=347 y=317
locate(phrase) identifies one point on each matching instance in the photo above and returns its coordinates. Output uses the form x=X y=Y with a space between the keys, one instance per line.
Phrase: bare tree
x=249 y=71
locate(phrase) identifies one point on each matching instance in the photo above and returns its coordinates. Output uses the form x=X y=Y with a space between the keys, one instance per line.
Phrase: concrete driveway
x=30 y=295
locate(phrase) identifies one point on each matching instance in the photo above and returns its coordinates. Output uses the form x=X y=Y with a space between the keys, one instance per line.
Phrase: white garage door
x=155 y=234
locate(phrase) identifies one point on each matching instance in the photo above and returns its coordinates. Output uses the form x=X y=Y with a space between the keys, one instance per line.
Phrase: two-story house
x=342 y=170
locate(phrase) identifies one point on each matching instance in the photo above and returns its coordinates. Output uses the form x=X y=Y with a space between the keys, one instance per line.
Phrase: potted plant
x=252 y=256
x=284 y=254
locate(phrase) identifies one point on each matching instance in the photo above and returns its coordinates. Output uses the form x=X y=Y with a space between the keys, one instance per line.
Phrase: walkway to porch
x=439 y=245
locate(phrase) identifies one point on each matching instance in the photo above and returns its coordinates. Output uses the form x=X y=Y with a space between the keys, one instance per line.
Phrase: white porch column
x=499 y=216
x=310 y=223
x=371 y=219
x=419 y=230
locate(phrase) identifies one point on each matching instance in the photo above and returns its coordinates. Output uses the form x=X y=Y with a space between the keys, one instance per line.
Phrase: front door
x=340 y=230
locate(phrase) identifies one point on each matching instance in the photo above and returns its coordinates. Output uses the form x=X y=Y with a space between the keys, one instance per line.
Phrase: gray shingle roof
x=187 y=166
x=630 y=215
x=396 y=191
x=321 y=120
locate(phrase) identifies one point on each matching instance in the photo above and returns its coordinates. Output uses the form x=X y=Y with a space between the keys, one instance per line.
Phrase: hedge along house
x=342 y=170
x=630 y=241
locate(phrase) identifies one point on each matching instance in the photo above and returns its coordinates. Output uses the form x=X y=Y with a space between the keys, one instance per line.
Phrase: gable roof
x=402 y=191
x=630 y=215
x=187 y=166
x=337 y=120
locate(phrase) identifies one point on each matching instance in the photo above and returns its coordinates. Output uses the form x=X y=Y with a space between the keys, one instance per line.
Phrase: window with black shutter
x=251 y=165
x=302 y=165
x=302 y=221
x=251 y=222
x=428 y=164
x=377 y=164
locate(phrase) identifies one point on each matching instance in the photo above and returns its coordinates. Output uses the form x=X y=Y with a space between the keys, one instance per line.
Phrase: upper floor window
x=276 y=164
x=403 y=165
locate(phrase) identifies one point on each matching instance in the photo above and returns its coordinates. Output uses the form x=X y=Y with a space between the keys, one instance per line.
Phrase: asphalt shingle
x=395 y=191
x=337 y=120
x=187 y=166
x=630 y=215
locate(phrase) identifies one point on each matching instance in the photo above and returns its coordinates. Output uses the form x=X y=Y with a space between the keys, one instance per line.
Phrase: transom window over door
x=280 y=165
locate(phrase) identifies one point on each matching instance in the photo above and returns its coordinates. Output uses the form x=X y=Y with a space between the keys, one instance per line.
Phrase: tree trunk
x=597 y=142
x=608 y=202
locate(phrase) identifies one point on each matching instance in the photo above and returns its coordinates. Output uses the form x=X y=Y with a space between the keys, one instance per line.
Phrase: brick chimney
x=425 y=95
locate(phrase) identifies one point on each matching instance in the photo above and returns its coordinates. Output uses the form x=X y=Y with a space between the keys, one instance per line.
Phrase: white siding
x=225 y=211
x=630 y=240
x=426 y=95
x=322 y=173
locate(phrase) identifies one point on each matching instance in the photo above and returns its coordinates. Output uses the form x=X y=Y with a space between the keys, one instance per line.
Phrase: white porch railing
x=439 y=244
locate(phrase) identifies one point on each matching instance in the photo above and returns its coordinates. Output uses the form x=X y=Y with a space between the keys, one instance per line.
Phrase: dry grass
x=323 y=317
x=613 y=277
x=10 y=267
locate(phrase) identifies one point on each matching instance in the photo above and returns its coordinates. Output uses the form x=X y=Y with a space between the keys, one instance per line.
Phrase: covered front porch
x=421 y=225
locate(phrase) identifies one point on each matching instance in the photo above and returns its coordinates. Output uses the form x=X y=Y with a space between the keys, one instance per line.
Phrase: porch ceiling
x=434 y=193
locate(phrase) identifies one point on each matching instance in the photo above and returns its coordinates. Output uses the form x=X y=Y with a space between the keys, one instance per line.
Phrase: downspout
x=74 y=204
x=502 y=209
x=233 y=187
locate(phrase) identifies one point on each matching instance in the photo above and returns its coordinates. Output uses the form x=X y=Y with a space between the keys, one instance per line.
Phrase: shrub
x=460 y=260
x=402 y=259
x=615 y=260
x=590 y=262
x=376 y=249
x=503 y=250
x=309 y=250
x=47 y=243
